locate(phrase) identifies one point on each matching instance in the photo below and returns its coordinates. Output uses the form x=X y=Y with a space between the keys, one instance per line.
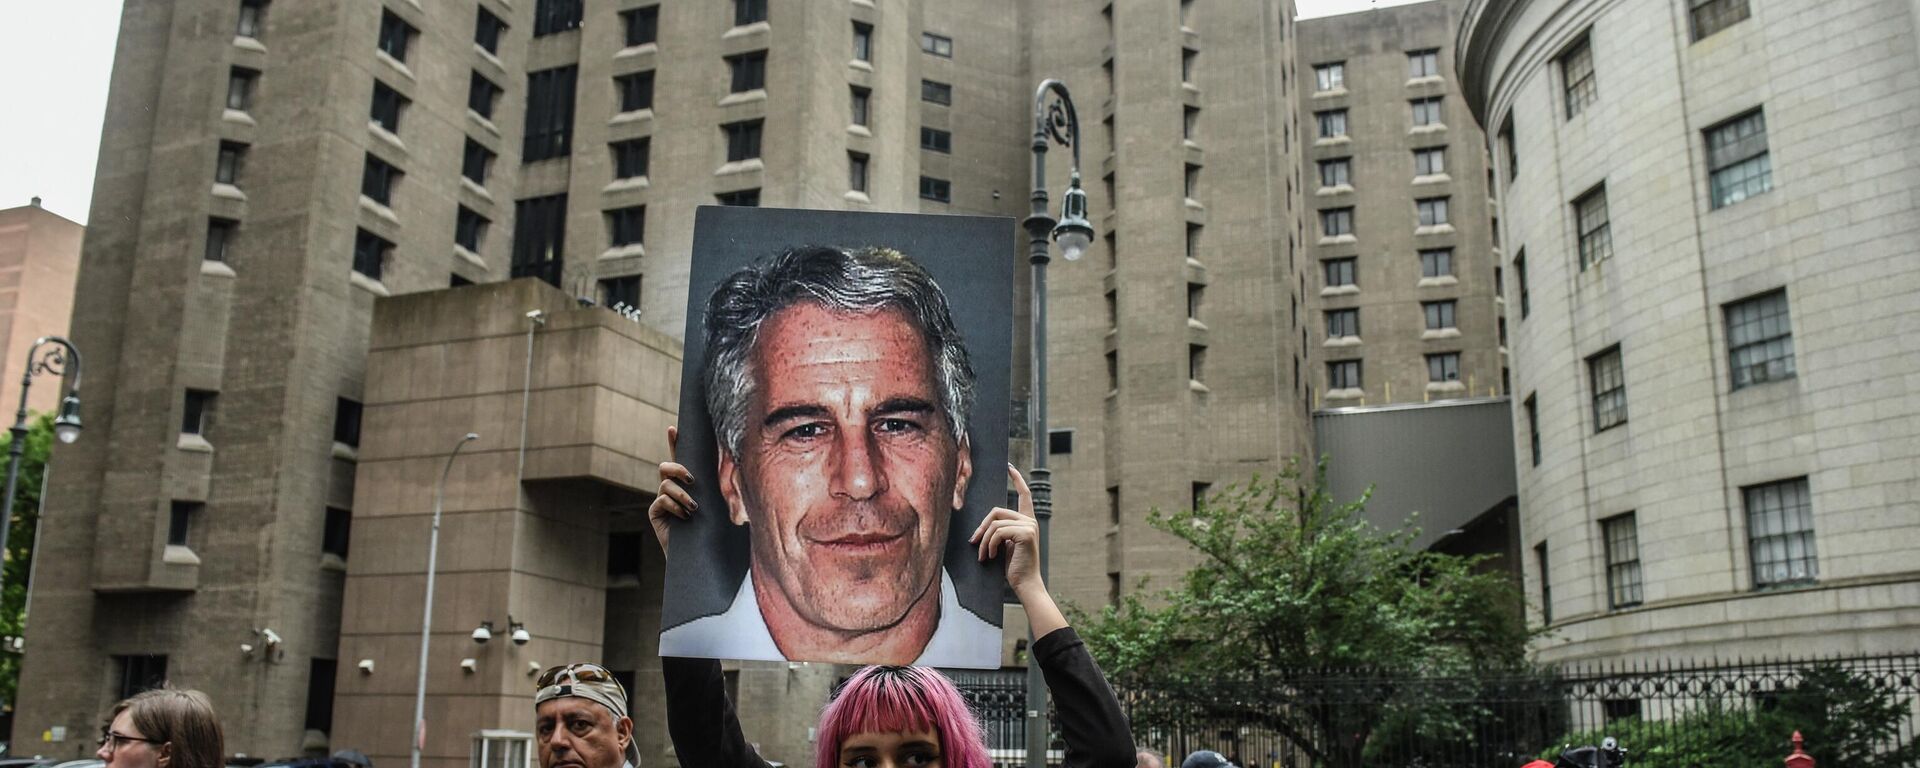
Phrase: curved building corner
x=1714 y=294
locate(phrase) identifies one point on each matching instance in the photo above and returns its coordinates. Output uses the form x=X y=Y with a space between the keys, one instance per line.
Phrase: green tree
x=19 y=555
x=1302 y=618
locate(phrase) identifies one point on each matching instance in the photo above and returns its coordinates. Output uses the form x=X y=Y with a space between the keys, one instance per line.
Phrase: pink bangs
x=902 y=700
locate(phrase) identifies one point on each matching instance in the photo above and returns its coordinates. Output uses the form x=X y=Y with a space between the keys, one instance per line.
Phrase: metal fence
x=1858 y=712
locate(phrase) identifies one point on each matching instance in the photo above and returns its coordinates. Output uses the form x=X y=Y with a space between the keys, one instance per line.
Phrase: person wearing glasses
x=894 y=716
x=580 y=719
x=163 y=728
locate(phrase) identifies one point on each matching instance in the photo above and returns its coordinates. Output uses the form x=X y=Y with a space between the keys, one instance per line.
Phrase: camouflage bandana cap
x=593 y=683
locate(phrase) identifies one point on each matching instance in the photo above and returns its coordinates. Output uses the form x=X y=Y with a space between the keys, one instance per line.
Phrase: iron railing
x=1856 y=711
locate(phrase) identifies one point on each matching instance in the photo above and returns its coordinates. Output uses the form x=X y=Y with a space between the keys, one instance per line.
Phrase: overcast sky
x=55 y=58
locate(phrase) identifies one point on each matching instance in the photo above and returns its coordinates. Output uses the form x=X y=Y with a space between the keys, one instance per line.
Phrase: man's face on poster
x=849 y=470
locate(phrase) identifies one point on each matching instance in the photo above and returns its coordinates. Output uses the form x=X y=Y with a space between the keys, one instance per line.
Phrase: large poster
x=843 y=407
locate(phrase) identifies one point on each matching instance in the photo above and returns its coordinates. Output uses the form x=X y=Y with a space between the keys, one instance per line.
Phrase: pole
x=1039 y=226
x=14 y=452
x=55 y=361
x=426 y=618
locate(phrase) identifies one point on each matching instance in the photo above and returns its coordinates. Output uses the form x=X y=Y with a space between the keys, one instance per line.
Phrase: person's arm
x=700 y=719
x=1091 y=722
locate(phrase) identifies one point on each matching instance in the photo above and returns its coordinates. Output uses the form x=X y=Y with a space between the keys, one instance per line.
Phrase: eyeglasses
x=574 y=673
x=112 y=740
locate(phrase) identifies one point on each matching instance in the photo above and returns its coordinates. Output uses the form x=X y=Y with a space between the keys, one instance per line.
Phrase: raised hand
x=1016 y=534
x=673 y=503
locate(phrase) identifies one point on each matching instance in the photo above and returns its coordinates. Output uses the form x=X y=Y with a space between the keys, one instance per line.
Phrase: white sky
x=55 y=58
x=1307 y=9
x=54 y=62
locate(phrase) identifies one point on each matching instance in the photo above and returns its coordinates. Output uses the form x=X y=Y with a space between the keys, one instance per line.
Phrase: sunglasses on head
x=575 y=673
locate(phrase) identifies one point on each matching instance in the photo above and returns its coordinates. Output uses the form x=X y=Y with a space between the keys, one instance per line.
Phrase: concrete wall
x=1836 y=83
x=1437 y=466
x=1389 y=289
x=39 y=262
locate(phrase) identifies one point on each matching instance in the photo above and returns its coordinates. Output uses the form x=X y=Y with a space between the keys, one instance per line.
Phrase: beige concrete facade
x=1834 y=230
x=1197 y=297
x=1376 y=89
x=39 y=261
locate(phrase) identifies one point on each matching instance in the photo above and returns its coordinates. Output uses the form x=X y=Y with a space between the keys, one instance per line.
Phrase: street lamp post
x=426 y=618
x=59 y=360
x=1054 y=121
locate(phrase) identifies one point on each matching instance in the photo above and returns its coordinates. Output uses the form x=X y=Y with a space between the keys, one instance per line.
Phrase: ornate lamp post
x=1054 y=122
x=426 y=619
x=58 y=360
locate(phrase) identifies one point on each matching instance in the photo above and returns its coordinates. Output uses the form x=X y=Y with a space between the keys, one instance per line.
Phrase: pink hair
x=902 y=700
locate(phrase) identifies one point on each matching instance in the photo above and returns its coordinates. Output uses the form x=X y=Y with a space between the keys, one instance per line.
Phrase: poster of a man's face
x=840 y=397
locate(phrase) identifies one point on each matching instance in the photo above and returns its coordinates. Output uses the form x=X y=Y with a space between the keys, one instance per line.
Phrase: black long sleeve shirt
x=706 y=731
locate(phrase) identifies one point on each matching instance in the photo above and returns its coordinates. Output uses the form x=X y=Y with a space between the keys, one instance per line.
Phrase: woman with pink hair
x=895 y=717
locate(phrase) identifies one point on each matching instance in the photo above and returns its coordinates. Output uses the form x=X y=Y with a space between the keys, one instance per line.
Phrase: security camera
x=483 y=633
x=533 y=668
x=366 y=666
x=272 y=637
x=521 y=636
x=469 y=665
x=246 y=649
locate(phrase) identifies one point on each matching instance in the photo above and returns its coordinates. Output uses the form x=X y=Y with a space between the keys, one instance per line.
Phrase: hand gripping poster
x=843 y=409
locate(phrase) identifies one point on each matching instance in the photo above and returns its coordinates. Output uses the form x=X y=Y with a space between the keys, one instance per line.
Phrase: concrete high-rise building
x=39 y=260
x=274 y=171
x=1401 y=295
x=1710 y=214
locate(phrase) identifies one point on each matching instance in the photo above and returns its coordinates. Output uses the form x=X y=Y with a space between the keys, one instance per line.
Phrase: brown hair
x=183 y=718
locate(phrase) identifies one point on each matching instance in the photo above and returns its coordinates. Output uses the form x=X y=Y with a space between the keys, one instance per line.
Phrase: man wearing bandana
x=580 y=719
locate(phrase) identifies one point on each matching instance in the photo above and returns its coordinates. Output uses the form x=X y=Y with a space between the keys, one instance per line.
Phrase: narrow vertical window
x=1608 y=378
x=1622 y=538
x=219 y=236
x=539 y=238
x=631 y=157
x=743 y=140
x=240 y=83
x=862 y=42
x=475 y=161
x=370 y=255
x=859 y=104
x=377 y=179
x=1737 y=160
x=193 y=418
x=486 y=30
x=1596 y=234
x=636 y=90
x=395 y=34
x=1546 y=584
x=549 y=123
x=481 y=95
x=1760 y=339
x=253 y=19
x=642 y=25
x=1780 y=533
x=1520 y=277
x=556 y=16
x=388 y=106
x=469 y=228
x=857 y=171
x=1576 y=74
x=748 y=12
x=627 y=226
x=1531 y=406
x=226 y=168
